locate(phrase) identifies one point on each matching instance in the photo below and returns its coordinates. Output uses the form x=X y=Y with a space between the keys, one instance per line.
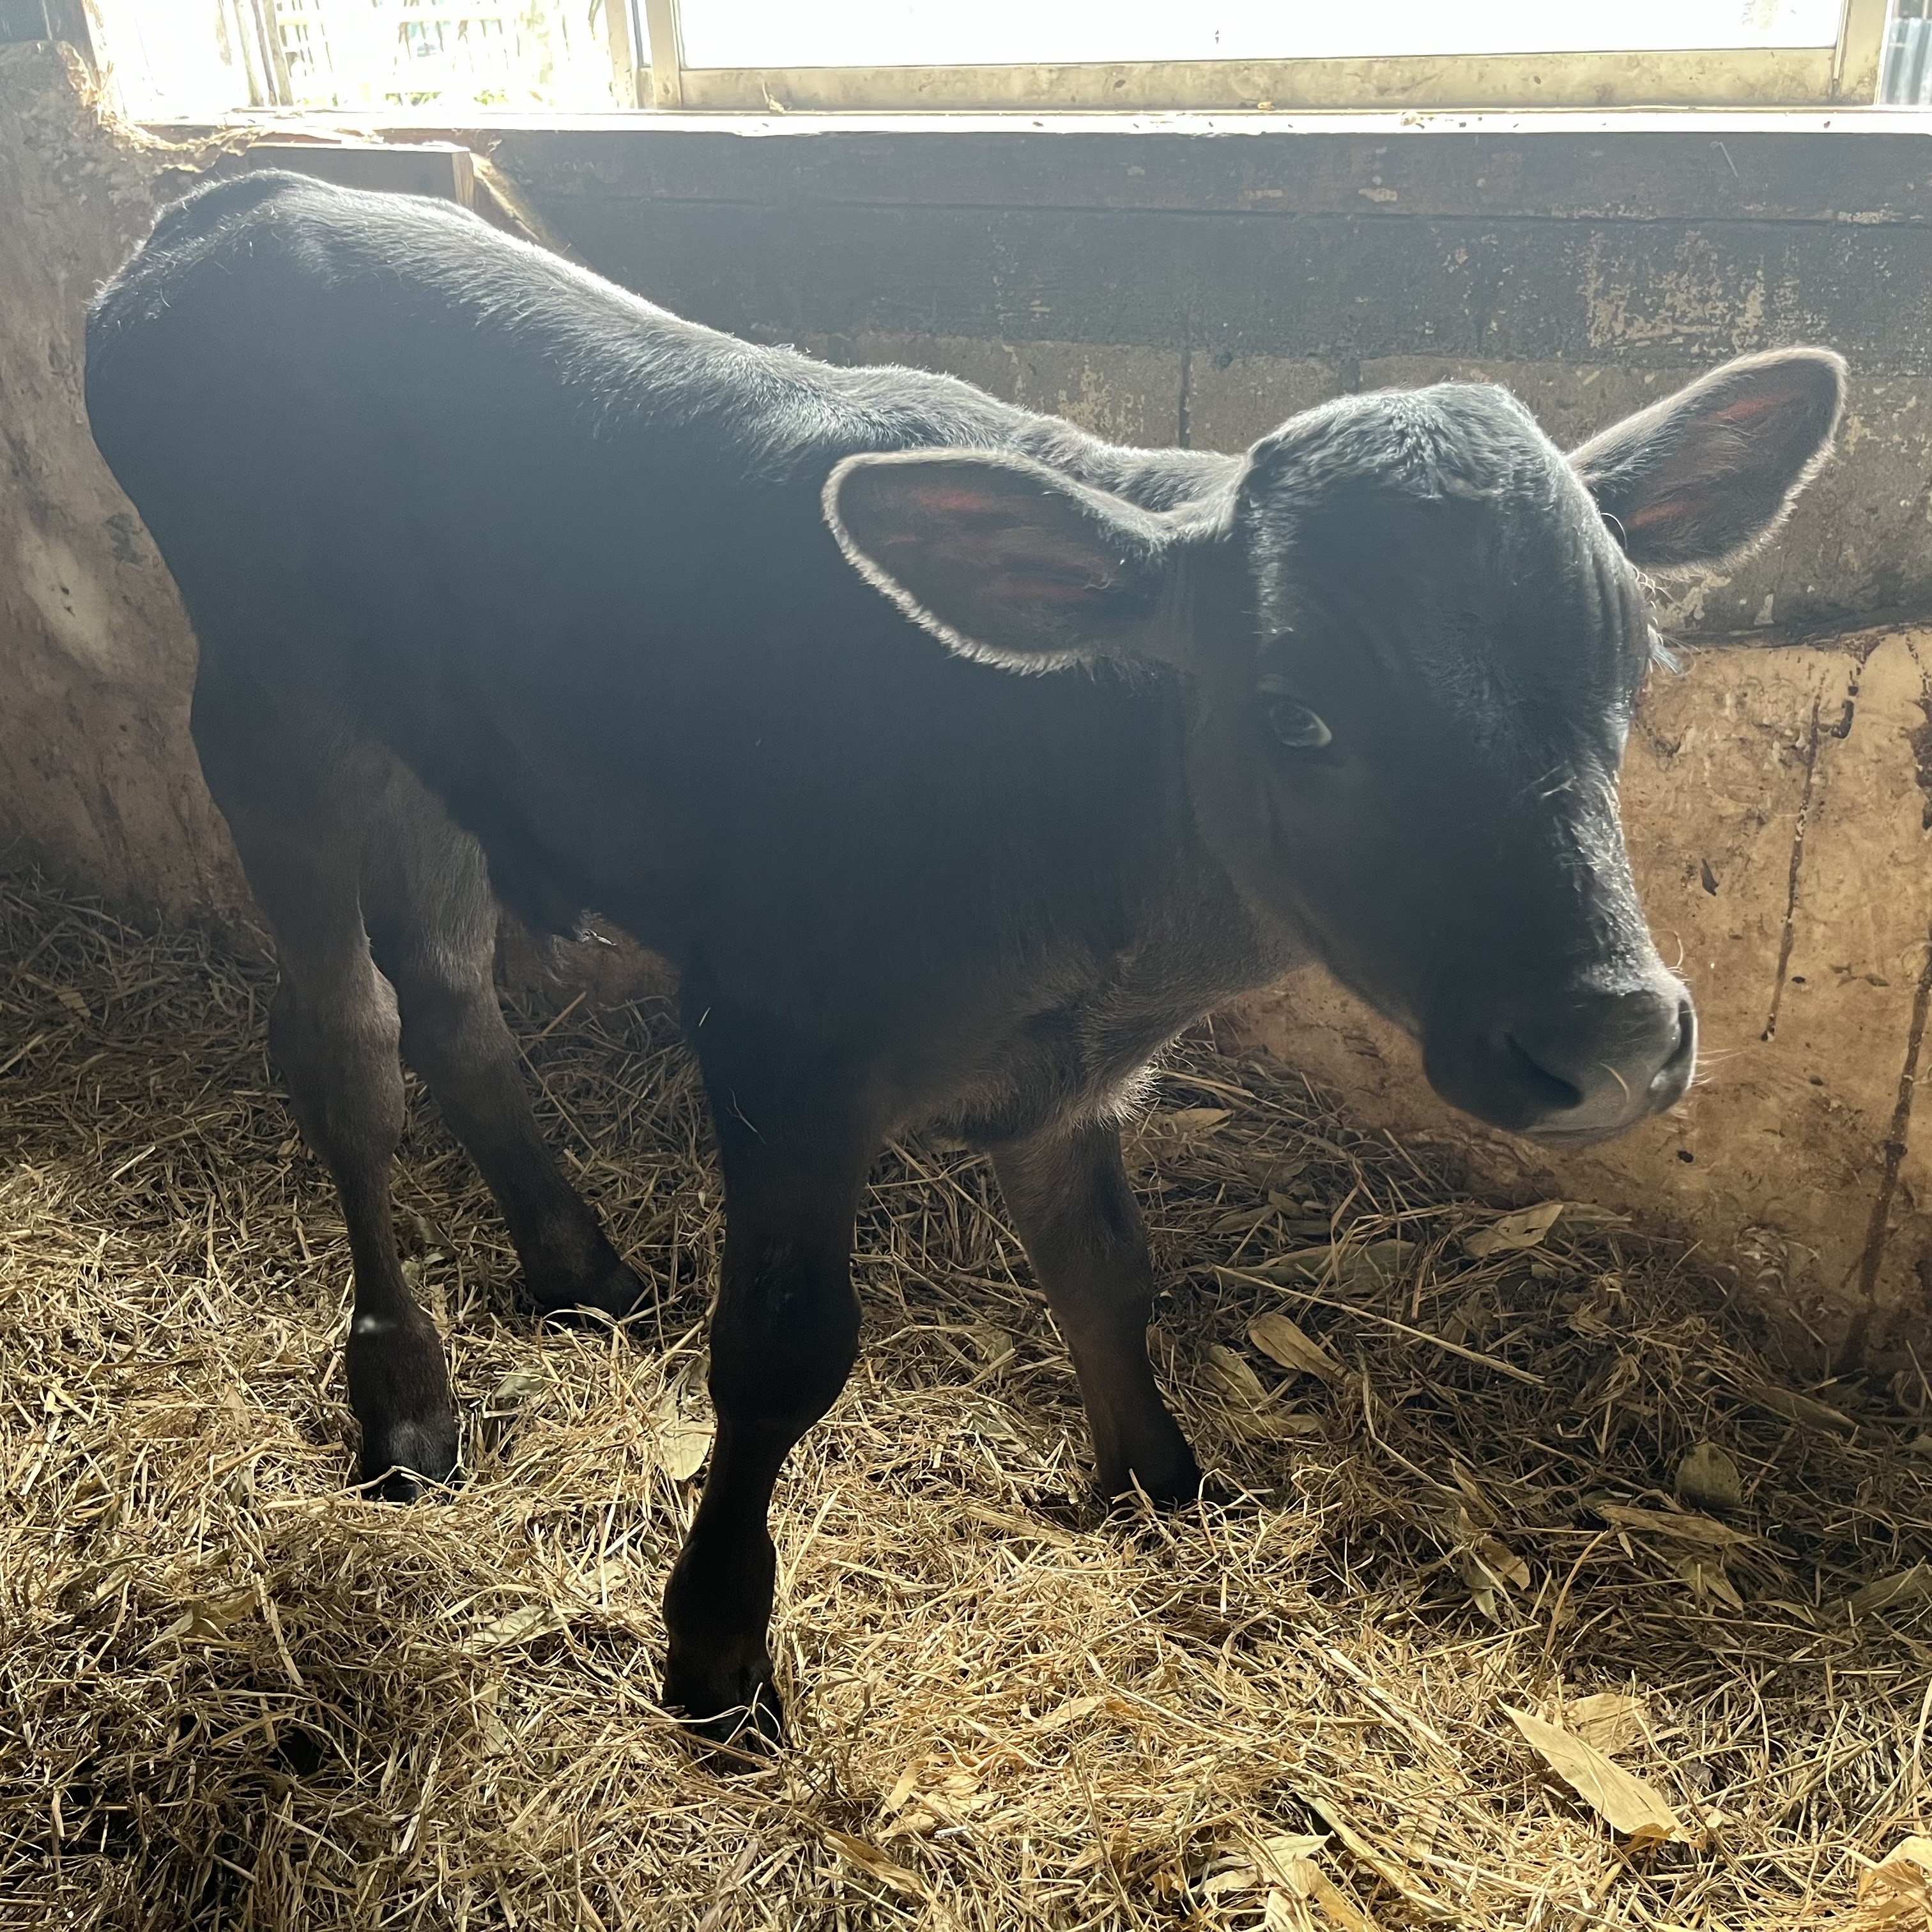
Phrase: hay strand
x=231 y=1694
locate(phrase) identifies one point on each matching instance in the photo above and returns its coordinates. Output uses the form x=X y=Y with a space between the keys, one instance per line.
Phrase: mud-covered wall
x=98 y=782
x=1778 y=803
x=97 y=778
x=1167 y=289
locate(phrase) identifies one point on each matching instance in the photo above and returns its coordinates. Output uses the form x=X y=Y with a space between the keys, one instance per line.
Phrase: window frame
x=1846 y=74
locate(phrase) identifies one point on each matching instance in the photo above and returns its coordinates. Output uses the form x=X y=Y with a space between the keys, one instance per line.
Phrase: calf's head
x=1413 y=632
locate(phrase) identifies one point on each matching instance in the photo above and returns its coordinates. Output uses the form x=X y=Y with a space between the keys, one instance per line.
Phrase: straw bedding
x=233 y=1694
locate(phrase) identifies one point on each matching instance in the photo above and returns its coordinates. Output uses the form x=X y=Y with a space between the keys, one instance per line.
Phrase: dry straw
x=232 y=1695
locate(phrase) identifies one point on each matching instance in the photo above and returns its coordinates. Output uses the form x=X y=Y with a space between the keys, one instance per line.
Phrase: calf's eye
x=1295 y=726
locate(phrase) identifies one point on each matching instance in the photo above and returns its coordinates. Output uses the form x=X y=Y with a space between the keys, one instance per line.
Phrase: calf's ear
x=1708 y=473
x=1006 y=559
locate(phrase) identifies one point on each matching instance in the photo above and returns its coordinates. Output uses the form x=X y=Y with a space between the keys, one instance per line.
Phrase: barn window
x=177 y=58
x=189 y=59
x=1248 y=53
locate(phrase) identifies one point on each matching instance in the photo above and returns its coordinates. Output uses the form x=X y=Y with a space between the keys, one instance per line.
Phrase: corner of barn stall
x=1660 y=1443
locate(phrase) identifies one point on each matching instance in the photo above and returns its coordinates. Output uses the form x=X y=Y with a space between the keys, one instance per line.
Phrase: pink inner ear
x=948 y=499
x=1748 y=408
x=1665 y=510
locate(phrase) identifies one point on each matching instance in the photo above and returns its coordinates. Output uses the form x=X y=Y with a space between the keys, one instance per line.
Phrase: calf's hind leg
x=432 y=920
x=1075 y=1210
x=335 y=1032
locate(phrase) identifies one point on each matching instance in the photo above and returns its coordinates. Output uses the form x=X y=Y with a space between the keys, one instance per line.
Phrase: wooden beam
x=667 y=45
x=620 y=32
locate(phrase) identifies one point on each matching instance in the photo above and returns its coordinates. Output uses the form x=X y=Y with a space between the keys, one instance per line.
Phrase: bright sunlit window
x=200 y=58
x=916 y=33
x=189 y=59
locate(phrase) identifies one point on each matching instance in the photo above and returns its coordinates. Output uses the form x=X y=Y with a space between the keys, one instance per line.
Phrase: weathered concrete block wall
x=1198 y=288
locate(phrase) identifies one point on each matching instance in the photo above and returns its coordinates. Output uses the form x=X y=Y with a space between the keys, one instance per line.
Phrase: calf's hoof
x=400 y=1459
x=1124 y=1507
x=1169 y=1479
x=399 y=1389
x=615 y=1292
x=729 y=1702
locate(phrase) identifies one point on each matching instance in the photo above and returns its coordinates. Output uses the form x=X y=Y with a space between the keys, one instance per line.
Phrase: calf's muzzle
x=1582 y=1064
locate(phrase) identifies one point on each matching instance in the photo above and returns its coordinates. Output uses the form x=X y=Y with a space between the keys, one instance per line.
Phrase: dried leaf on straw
x=1251 y=1406
x=1609 y=1720
x=1299 y=1264
x=1709 y=1478
x=1241 y=1220
x=1498 y=1556
x=514 y=1390
x=1390 y=1869
x=1804 y=1409
x=1673 y=1528
x=1705 y=1576
x=1898 y=1591
x=1071 y=1712
x=1284 y=1343
x=209 y=1619
x=1372 y=1265
x=1628 y=1805
x=1232 y=1376
x=1509 y=1233
x=523 y=1625
x=681 y=1452
x=1896 y=1895
x=683 y=1441
x=1285 y=1859
x=875 y=1864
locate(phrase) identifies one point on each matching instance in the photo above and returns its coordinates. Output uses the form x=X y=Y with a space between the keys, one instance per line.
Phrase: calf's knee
x=781 y=1353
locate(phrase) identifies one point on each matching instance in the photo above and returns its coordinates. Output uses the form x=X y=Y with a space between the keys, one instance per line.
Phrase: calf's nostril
x=1554 y=1093
x=1677 y=1068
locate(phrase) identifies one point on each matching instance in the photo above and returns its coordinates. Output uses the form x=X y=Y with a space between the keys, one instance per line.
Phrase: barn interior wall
x=1165 y=286
x=98 y=783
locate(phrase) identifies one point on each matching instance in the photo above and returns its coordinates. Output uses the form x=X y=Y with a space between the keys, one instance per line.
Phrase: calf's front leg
x=783 y=1336
x=1075 y=1212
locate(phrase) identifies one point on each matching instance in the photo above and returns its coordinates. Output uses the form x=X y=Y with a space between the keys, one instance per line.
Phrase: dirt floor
x=1485 y=1477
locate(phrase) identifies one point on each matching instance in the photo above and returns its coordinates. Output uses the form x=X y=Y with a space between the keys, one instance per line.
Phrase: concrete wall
x=1201 y=287
x=97 y=778
x=1168 y=288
